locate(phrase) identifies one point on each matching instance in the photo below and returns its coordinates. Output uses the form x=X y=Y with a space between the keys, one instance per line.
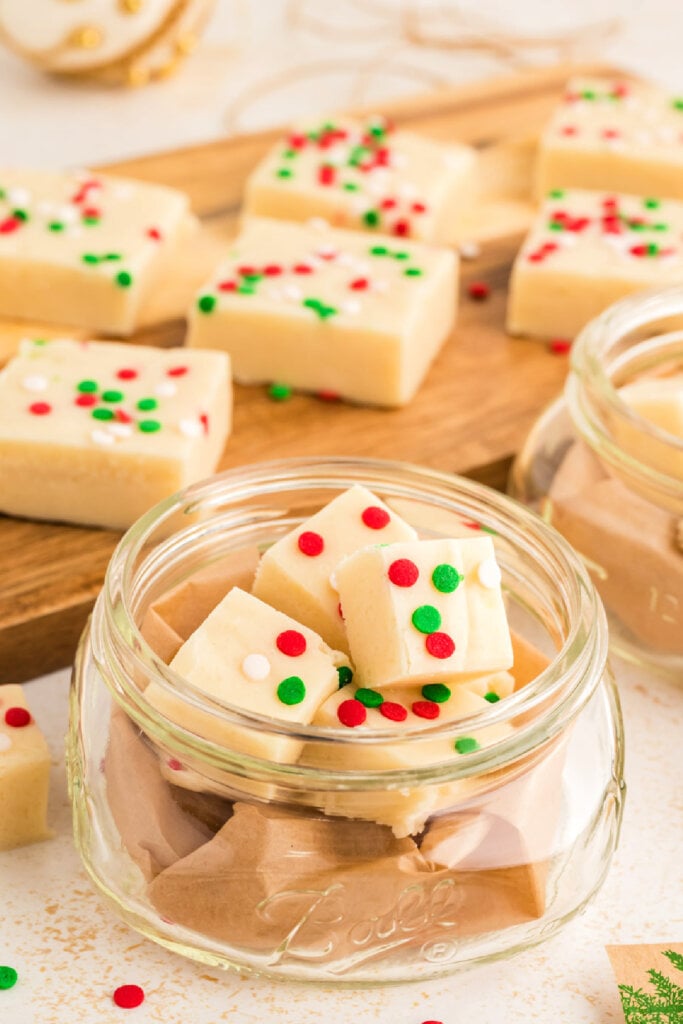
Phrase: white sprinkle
x=18 y=196
x=489 y=574
x=102 y=437
x=292 y=291
x=120 y=430
x=5 y=742
x=67 y=214
x=166 y=389
x=190 y=427
x=470 y=250
x=45 y=208
x=351 y=306
x=318 y=223
x=256 y=666
x=35 y=382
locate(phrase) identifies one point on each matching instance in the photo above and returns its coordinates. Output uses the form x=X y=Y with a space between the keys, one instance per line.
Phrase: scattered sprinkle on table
x=127 y=997
x=479 y=290
x=8 y=977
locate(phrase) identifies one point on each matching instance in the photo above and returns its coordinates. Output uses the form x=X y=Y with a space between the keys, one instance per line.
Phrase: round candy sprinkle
x=174 y=764
x=40 y=408
x=351 y=713
x=166 y=389
x=478 y=290
x=149 y=426
x=446 y=578
x=127 y=997
x=436 y=692
x=255 y=666
x=394 y=712
x=112 y=396
x=206 y=303
x=560 y=346
x=403 y=572
x=374 y=517
x=426 y=618
x=8 y=977
x=489 y=573
x=34 y=382
x=291 y=642
x=146 y=404
x=291 y=690
x=439 y=645
x=426 y=709
x=124 y=279
x=466 y=744
x=126 y=373
x=491 y=697
x=17 y=717
x=102 y=414
x=279 y=392
x=86 y=401
x=344 y=675
x=369 y=698
x=310 y=543
x=177 y=371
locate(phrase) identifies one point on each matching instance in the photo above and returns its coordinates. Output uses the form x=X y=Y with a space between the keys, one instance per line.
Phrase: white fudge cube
x=294 y=574
x=98 y=432
x=424 y=611
x=330 y=311
x=585 y=251
x=612 y=134
x=365 y=175
x=24 y=772
x=84 y=249
x=257 y=659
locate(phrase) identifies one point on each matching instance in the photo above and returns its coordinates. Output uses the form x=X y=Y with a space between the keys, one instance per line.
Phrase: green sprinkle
x=146 y=404
x=112 y=396
x=91 y=220
x=651 y=204
x=90 y=257
x=357 y=155
x=86 y=386
x=556 y=193
x=660 y=227
x=677 y=104
x=412 y=272
x=371 y=218
x=401 y=255
x=246 y=289
x=329 y=126
x=556 y=225
x=111 y=256
x=589 y=94
x=102 y=414
x=369 y=698
x=279 y=392
x=350 y=186
x=437 y=692
x=652 y=249
x=252 y=277
x=124 y=279
x=377 y=130
x=426 y=618
x=635 y=225
x=344 y=674
x=379 y=250
x=466 y=744
x=206 y=303
x=289 y=154
x=285 y=172
x=291 y=690
x=446 y=578
x=39 y=341
x=20 y=215
x=491 y=697
x=55 y=225
x=320 y=308
x=149 y=426
x=8 y=977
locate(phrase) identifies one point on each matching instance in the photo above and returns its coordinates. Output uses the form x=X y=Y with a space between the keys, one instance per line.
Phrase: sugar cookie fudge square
x=98 y=432
x=255 y=658
x=84 y=249
x=326 y=310
x=424 y=611
x=585 y=251
x=365 y=175
x=612 y=134
x=24 y=773
x=294 y=574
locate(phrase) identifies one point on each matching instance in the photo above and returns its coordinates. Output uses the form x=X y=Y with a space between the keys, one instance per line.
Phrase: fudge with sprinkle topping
x=97 y=432
x=335 y=312
x=365 y=175
x=24 y=772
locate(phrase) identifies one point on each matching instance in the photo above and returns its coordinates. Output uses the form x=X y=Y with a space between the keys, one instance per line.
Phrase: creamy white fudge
x=659 y=400
x=248 y=655
x=328 y=311
x=585 y=251
x=84 y=249
x=24 y=772
x=294 y=574
x=611 y=134
x=364 y=174
x=424 y=611
x=98 y=432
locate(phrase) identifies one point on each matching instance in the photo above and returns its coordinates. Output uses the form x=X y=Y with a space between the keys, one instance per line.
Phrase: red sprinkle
x=611 y=133
x=302 y=268
x=86 y=400
x=297 y=141
x=17 y=718
x=9 y=225
x=388 y=204
x=560 y=346
x=226 y=286
x=569 y=129
x=402 y=228
x=127 y=997
x=326 y=174
x=204 y=420
x=394 y=712
x=272 y=270
x=426 y=709
x=375 y=518
x=40 y=408
x=478 y=290
x=92 y=211
x=439 y=645
x=174 y=764
x=122 y=417
x=403 y=572
x=247 y=271
x=328 y=396
x=360 y=284
x=352 y=713
x=155 y=234
x=177 y=371
x=127 y=373
x=310 y=543
x=291 y=642
x=418 y=208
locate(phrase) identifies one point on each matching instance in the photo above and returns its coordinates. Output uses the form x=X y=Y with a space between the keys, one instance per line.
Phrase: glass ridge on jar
x=241 y=862
x=611 y=481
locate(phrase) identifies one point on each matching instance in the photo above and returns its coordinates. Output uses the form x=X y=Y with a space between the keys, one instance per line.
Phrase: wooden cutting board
x=471 y=415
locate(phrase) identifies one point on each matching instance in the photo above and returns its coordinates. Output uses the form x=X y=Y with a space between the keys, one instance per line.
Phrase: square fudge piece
x=248 y=655
x=24 y=773
x=84 y=249
x=98 y=432
x=294 y=574
x=585 y=251
x=365 y=175
x=424 y=611
x=611 y=134
x=331 y=311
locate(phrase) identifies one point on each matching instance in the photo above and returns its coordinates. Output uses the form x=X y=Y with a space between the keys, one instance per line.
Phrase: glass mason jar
x=611 y=481
x=247 y=862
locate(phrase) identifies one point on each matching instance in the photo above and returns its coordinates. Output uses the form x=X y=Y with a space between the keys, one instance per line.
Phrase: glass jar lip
x=579 y=663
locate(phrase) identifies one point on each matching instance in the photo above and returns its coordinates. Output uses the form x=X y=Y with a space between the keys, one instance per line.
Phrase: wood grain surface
x=471 y=416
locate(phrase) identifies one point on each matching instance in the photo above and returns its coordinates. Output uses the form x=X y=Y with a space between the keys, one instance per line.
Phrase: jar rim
x=565 y=684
